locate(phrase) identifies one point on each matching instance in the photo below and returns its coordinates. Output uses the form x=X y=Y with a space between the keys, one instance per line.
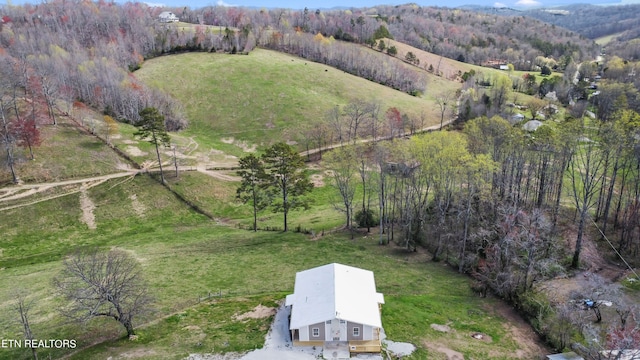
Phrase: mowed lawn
x=265 y=96
x=185 y=256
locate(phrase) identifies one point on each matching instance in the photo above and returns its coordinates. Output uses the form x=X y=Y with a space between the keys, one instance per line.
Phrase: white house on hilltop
x=168 y=16
x=336 y=305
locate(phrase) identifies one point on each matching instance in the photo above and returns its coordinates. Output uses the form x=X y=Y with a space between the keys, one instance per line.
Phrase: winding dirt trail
x=23 y=191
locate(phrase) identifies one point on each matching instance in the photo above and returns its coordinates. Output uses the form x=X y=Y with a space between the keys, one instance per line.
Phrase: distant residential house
x=516 y=118
x=532 y=125
x=168 y=16
x=565 y=356
x=336 y=305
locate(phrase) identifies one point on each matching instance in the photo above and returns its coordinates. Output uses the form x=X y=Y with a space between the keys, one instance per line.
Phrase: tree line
x=470 y=36
x=490 y=199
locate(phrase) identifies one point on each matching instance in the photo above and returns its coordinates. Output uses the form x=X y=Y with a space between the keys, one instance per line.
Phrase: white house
x=333 y=304
x=516 y=118
x=532 y=125
x=168 y=16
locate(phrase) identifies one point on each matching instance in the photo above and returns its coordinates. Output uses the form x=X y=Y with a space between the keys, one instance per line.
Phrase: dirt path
x=529 y=343
x=365 y=141
x=24 y=191
x=217 y=174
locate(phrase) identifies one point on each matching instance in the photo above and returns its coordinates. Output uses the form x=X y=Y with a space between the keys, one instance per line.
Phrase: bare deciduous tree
x=586 y=171
x=343 y=167
x=22 y=306
x=445 y=101
x=108 y=284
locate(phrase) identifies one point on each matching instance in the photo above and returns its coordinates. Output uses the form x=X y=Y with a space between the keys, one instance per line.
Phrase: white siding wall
x=367 y=332
x=304 y=333
x=327 y=332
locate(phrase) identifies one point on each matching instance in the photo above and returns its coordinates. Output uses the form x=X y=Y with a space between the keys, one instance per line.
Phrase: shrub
x=366 y=218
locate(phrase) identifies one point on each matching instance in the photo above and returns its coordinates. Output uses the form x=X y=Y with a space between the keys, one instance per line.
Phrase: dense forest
x=622 y=22
x=468 y=36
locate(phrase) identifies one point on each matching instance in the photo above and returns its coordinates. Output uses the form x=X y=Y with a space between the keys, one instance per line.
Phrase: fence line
x=296 y=229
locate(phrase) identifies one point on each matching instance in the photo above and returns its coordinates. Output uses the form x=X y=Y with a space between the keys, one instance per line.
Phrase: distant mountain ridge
x=587 y=19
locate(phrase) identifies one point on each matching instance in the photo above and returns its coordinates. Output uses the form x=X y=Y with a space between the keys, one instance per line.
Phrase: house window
x=356 y=331
x=315 y=332
x=343 y=322
x=328 y=322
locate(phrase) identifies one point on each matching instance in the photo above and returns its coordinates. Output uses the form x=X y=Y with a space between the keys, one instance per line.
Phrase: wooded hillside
x=621 y=22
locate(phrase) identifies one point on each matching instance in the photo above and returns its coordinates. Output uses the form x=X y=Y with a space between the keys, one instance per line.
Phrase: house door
x=335 y=330
x=338 y=330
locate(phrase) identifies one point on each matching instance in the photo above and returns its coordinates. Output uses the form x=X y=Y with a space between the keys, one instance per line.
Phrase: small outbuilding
x=168 y=16
x=336 y=305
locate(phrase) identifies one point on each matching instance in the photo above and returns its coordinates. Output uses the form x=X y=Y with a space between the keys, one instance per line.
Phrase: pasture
x=246 y=101
x=186 y=256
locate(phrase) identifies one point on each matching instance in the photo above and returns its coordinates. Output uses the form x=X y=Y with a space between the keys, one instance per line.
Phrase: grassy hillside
x=448 y=69
x=66 y=153
x=604 y=40
x=256 y=99
x=185 y=256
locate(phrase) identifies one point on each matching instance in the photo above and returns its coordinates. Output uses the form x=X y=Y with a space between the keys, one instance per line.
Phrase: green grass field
x=262 y=96
x=186 y=256
x=67 y=153
x=604 y=40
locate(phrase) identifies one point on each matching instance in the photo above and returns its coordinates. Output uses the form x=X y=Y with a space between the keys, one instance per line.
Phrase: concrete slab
x=336 y=350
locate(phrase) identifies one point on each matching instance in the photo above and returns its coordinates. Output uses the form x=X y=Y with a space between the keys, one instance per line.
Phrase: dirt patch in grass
x=259 y=312
x=138 y=207
x=134 y=151
x=245 y=146
x=192 y=328
x=451 y=354
x=317 y=180
x=529 y=343
x=87 y=206
x=559 y=290
x=441 y=328
x=482 y=337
